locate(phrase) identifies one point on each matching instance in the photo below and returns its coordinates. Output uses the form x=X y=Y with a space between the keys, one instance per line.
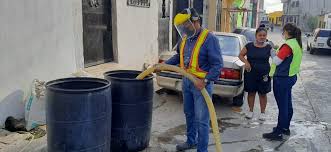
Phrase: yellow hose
x=210 y=105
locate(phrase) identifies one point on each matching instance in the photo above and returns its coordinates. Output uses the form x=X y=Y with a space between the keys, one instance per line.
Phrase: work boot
x=185 y=146
x=273 y=136
x=286 y=132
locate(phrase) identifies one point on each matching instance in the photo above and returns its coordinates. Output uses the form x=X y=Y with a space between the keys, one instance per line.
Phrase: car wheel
x=329 y=42
x=238 y=100
x=312 y=50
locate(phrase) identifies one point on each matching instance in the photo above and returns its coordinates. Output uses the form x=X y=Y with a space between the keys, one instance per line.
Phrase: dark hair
x=194 y=14
x=261 y=28
x=294 y=32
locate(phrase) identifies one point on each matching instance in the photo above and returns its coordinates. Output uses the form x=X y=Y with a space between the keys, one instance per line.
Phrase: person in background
x=257 y=69
x=284 y=70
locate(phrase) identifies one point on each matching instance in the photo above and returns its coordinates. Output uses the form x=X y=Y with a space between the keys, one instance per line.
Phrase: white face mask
x=261 y=42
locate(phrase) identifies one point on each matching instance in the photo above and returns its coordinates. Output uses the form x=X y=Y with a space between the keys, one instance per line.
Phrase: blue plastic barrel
x=132 y=110
x=78 y=115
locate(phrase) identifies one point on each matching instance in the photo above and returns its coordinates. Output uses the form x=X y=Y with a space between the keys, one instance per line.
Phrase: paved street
x=310 y=125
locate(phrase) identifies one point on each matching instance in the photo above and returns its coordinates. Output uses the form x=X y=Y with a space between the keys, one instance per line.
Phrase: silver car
x=230 y=83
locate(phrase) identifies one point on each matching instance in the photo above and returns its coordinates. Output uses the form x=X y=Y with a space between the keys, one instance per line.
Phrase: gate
x=97 y=32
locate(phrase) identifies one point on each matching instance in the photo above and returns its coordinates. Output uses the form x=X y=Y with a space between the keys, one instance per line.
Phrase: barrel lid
x=75 y=85
x=126 y=75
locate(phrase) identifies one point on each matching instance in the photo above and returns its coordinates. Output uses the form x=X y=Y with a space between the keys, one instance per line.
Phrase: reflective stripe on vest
x=194 y=61
x=296 y=61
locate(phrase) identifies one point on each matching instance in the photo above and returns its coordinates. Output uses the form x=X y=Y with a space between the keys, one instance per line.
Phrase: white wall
x=38 y=39
x=137 y=34
x=163 y=26
x=327 y=21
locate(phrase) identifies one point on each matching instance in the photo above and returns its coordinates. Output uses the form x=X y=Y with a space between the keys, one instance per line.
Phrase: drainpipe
x=205 y=14
x=171 y=16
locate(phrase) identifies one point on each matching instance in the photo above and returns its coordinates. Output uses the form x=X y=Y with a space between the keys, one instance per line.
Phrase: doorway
x=97 y=32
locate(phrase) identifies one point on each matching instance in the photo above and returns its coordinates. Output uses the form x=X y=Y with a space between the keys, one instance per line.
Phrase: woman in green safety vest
x=284 y=70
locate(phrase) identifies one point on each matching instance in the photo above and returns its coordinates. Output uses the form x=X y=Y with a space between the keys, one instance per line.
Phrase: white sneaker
x=249 y=115
x=262 y=117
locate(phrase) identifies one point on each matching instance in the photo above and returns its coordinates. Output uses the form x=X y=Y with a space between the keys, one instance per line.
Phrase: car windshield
x=325 y=33
x=250 y=35
x=229 y=45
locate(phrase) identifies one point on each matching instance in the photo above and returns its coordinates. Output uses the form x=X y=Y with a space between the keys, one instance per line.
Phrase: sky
x=273 y=5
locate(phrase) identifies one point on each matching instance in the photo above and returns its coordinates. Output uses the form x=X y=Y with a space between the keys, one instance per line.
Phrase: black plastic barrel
x=78 y=115
x=132 y=110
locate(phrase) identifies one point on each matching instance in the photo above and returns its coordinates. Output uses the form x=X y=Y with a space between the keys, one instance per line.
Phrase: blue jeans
x=282 y=87
x=197 y=115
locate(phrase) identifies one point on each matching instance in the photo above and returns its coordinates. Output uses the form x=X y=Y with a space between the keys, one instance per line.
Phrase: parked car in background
x=249 y=33
x=230 y=83
x=321 y=39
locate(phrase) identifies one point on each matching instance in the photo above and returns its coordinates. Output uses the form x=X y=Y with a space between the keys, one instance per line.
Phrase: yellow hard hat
x=181 y=18
x=185 y=15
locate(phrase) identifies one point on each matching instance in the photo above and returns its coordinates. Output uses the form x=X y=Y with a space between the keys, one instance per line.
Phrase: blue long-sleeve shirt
x=210 y=58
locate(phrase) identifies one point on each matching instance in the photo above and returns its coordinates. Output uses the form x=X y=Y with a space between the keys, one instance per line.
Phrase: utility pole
x=324 y=9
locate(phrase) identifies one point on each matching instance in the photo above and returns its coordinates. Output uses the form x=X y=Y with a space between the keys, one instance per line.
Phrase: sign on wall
x=139 y=3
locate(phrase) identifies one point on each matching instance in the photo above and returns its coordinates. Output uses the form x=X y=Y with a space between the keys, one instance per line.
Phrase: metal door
x=97 y=32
